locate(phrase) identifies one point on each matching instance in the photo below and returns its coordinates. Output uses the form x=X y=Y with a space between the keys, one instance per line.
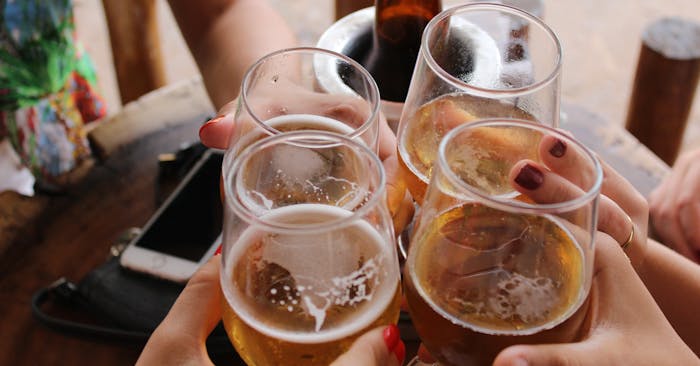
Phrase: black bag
x=129 y=303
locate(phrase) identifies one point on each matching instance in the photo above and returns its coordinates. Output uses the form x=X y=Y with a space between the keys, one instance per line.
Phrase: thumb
x=182 y=335
x=571 y=354
x=378 y=347
x=203 y=291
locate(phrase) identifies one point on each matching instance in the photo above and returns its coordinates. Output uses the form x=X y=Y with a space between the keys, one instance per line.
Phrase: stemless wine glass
x=294 y=89
x=309 y=258
x=489 y=266
x=476 y=61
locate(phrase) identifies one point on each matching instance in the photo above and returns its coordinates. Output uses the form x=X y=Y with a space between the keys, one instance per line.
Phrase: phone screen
x=192 y=218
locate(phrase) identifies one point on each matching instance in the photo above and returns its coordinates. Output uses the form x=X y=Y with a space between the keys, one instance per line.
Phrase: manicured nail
x=558 y=150
x=400 y=352
x=210 y=122
x=218 y=250
x=391 y=336
x=529 y=177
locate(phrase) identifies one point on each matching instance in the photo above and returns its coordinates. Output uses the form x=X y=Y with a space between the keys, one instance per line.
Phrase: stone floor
x=598 y=76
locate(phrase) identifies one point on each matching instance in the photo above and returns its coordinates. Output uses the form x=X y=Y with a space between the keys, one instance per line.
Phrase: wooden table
x=68 y=235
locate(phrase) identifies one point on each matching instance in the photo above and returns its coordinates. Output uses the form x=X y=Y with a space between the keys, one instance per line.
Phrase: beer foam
x=530 y=299
x=313 y=284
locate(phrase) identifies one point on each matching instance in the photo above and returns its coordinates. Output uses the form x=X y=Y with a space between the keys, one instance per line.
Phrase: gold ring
x=631 y=237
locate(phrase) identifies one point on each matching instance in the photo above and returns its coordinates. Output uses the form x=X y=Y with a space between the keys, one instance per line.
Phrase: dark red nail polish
x=400 y=352
x=529 y=177
x=391 y=336
x=559 y=149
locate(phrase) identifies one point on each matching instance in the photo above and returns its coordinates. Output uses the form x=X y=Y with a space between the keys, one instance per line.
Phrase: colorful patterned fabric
x=47 y=86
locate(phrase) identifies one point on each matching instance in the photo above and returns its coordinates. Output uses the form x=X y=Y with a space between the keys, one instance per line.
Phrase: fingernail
x=210 y=122
x=391 y=336
x=519 y=362
x=558 y=150
x=400 y=352
x=529 y=177
x=218 y=250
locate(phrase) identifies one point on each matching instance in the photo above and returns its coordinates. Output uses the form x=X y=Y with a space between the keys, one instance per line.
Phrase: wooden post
x=345 y=7
x=133 y=32
x=664 y=85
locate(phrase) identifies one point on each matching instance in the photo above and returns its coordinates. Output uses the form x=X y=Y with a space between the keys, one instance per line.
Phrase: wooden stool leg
x=133 y=32
x=664 y=85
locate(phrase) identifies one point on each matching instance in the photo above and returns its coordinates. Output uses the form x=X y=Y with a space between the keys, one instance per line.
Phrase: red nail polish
x=391 y=336
x=558 y=149
x=400 y=352
x=218 y=250
x=529 y=177
x=210 y=122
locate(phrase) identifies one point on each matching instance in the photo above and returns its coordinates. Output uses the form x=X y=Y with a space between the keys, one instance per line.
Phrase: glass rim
x=303 y=138
x=373 y=88
x=433 y=65
x=589 y=194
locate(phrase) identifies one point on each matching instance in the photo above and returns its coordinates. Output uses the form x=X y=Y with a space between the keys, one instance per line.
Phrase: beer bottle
x=398 y=27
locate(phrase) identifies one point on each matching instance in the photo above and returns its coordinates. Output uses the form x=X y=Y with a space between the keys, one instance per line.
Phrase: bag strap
x=67 y=292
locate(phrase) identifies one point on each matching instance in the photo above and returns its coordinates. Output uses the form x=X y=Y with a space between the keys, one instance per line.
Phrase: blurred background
x=598 y=77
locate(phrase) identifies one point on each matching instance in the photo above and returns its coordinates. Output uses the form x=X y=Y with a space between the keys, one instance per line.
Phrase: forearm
x=227 y=36
x=674 y=281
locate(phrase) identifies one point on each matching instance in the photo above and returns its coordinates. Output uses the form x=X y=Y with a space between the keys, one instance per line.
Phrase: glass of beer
x=309 y=257
x=296 y=89
x=476 y=61
x=490 y=266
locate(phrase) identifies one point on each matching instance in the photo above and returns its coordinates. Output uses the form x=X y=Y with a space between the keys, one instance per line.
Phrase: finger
x=198 y=308
x=541 y=184
x=586 y=353
x=380 y=346
x=689 y=207
x=568 y=161
x=216 y=132
x=387 y=139
x=399 y=201
x=613 y=220
x=665 y=213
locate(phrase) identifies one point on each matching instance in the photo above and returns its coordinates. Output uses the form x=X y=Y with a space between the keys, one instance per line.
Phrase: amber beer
x=419 y=141
x=302 y=299
x=396 y=38
x=479 y=280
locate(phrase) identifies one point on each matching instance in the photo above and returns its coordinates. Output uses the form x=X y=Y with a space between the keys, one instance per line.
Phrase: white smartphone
x=186 y=229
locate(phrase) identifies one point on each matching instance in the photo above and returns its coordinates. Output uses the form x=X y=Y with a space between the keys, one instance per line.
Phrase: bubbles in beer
x=310 y=287
x=498 y=272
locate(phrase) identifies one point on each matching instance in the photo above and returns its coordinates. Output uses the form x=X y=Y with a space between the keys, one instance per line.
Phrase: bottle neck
x=386 y=10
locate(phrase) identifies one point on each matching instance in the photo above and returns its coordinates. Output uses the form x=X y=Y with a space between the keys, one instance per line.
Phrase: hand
x=675 y=207
x=622 y=210
x=627 y=326
x=217 y=132
x=180 y=339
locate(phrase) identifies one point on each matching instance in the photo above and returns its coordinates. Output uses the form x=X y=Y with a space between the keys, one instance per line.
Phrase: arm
x=226 y=37
x=674 y=282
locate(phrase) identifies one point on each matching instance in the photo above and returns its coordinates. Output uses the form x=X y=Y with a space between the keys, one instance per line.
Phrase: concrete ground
x=598 y=76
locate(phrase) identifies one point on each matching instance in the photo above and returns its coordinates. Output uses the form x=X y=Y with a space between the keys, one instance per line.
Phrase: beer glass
x=488 y=266
x=476 y=61
x=306 y=89
x=309 y=258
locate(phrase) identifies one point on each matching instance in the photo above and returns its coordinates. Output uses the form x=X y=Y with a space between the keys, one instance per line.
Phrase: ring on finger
x=631 y=236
